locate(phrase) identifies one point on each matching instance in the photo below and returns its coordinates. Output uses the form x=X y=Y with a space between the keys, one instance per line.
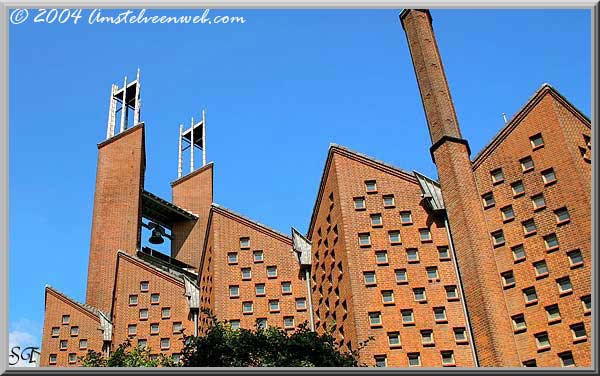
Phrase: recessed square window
x=83 y=344
x=154 y=328
x=142 y=343
x=394 y=339
x=536 y=141
x=131 y=329
x=518 y=252
x=388 y=201
x=376 y=220
x=553 y=313
x=541 y=268
x=232 y=258
x=508 y=213
x=380 y=361
x=261 y=323
x=419 y=294
x=394 y=237
x=447 y=358
x=566 y=359
x=519 y=323
x=538 y=202
x=406 y=217
x=234 y=291
x=508 y=278
x=517 y=188
x=407 y=316
x=564 y=285
x=387 y=296
x=300 y=304
x=551 y=242
x=165 y=343
x=52 y=358
x=177 y=327
x=381 y=257
x=498 y=238
x=578 y=331
x=143 y=314
x=272 y=271
x=244 y=242
x=260 y=289
x=55 y=331
x=530 y=363
x=247 y=307
x=530 y=295
x=425 y=235
x=66 y=319
x=72 y=358
x=375 y=318
x=371 y=186
x=414 y=359
x=529 y=227
x=451 y=292
x=144 y=286
x=526 y=164
x=274 y=305
x=542 y=341
x=258 y=256
x=360 y=203
x=497 y=176
x=412 y=255
x=246 y=273
x=575 y=258
x=439 y=314
x=460 y=335
x=562 y=216
x=488 y=200
x=401 y=275
x=586 y=302
x=63 y=344
x=427 y=337
x=369 y=278
x=286 y=287
x=548 y=176
x=288 y=322
x=432 y=272
x=154 y=298
x=364 y=239
x=443 y=253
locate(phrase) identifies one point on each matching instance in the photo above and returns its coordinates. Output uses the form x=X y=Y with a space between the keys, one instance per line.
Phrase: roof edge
x=87 y=309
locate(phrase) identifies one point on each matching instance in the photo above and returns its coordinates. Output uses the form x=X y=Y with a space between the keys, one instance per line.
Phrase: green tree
x=127 y=356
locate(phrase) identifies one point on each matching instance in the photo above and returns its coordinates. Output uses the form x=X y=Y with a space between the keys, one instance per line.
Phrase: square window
x=234 y=324
x=387 y=296
x=371 y=186
x=155 y=298
x=414 y=359
x=131 y=329
x=497 y=176
x=288 y=322
x=427 y=337
x=375 y=318
x=407 y=316
x=553 y=313
x=52 y=359
x=55 y=331
x=72 y=358
x=542 y=341
x=425 y=235
x=548 y=176
x=394 y=237
x=578 y=331
x=143 y=314
x=460 y=334
x=412 y=255
x=551 y=242
x=63 y=344
x=508 y=278
x=575 y=258
x=541 y=268
x=443 y=253
x=66 y=319
x=144 y=286
x=246 y=273
x=232 y=258
x=273 y=305
x=165 y=343
x=364 y=239
x=507 y=213
x=83 y=344
x=234 y=291
x=133 y=299
x=536 y=141
x=519 y=323
x=369 y=278
x=530 y=295
x=177 y=327
x=538 y=201
x=564 y=285
x=447 y=358
x=380 y=361
x=165 y=313
x=394 y=339
x=498 y=238
x=258 y=256
x=244 y=242
x=381 y=257
x=488 y=200
x=261 y=323
x=419 y=294
x=517 y=188
x=286 y=287
x=406 y=217
x=376 y=220
x=451 y=292
x=529 y=227
x=247 y=307
x=530 y=363
x=566 y=359
x=388 y=201
x=359 y=203
x=300 y=304
x=142 y=343
x=562 y=215
x=432 y=272
x=586 y=302
x=154 y=328
x=526 y=164
x=260 y=289
x=439 y=313
x=271 y=271
x=518 y=252
x=401 y=275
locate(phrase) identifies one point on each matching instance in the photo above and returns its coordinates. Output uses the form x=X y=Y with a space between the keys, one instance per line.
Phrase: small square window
x=246 y=273
x=530 y=295
x=451 y=292
x=388 y=201
x=401 y=275
x=443 y=253
x=406 y=217
x=247 y=307
x=414 y=359
x=578 y=331
x=460 y=335
x=538 y=202
x=575 y=258
x=165 y=343
x=232 y=258
x=133 y=299
x=447 y=358
x=66 y=319
x=271 y=271
x=551 y=242
x=260 y=289
x=376 y=220
x=258 y=256
x=273 y=305
x=497 y=176
x=508 y=278
x=432 y=273
x=508 y=213
x=143 y=314
x=586 y=302
x=542 y=341
x=261 y=323
x=488 y=200
x=371 y=186
x=562 y=216
x=380 y=361
x=519 y=323
x=518 y=252
x=530 y=363
x=381 y=257
x=412 y=255
x=394 y=237
x=553 y=313
x=427 y=337
x=364 y=239
x=541 y=268
x=548 y=176
x=526 y=164
x=498 y=238
x=244 y=242
x=144 y=286
x=131 y=329
x=63 y=344
x=564 y=285
x=359 y=203
x=177 y=327
x=72 y=358
x=566 y=359
x=536 y=141
x=375 y=318
x=425 y=235
x=83 y=344
x=234 y=324
x=439 y=313
x=165 y=313
x=300 y=304
x=155 y=298
x=142 y=343
x=154 y=328
x=369 y=278
x=407 y=316
x=517 y=188
x=529 y=227
x=234 y=291
x=52 y=359
x=419 y=294
x=387 y=296
x=286 y=287
x=394 y=339
x=55 y=331
x=288 y=322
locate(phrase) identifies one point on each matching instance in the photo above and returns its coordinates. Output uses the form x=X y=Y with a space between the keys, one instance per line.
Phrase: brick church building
x=488 y=266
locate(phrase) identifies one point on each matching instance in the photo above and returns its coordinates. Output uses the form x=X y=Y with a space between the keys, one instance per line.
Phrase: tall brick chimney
x=490 y=323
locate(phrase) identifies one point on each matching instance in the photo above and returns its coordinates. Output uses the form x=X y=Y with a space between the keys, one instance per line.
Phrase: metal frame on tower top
x=193 y=137
x=128 y=97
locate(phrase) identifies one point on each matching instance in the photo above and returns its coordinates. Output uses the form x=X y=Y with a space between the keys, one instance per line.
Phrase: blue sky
x=278 y=90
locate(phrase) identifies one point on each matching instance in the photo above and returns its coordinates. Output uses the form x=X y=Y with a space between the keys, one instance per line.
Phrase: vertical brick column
x=117 y=210
x=492 y=330
x=193 y=192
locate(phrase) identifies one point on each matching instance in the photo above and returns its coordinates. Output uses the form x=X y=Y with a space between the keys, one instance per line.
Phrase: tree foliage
x=127 y=356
